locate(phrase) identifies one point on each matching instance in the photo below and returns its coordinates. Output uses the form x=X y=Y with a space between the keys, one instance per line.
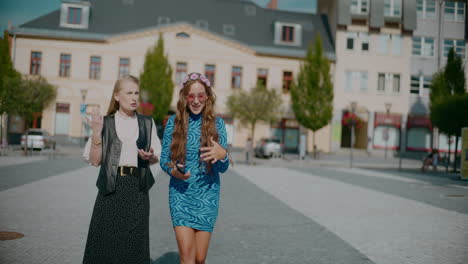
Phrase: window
x=162 y=21
x=229 y=30
x=396 y=44
x=381 y=83
x=181 y=72
x=36 y=61
x=287 y=80
x=384 y=39
x=356 y=80
x=359 y=6
x=182 y=35
x=262 y=76
x=392 y=8
x=210 y=73
x=455 y=11
x=236 y=79
x=423 y=46
x=95 y=68
x=203 y=24
x=457 y=44
x=396 y=83
x=287 y=34
x=65 y=64
x=350 y=38
x=364 y=37
x=74 y=15
x=426 y=8
x=420 y=85
x=388 y=81
x=124 y=67
x=390 y=42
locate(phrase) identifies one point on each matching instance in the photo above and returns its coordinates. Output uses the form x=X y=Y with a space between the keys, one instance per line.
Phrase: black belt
x=127 y=171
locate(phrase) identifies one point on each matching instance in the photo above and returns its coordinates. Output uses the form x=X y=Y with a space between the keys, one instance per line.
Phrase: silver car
x=269 y=147
x=38 y=139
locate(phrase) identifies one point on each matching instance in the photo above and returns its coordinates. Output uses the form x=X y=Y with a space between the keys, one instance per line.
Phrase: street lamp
x=388 y=106
x=353 y=110
x=84 y=92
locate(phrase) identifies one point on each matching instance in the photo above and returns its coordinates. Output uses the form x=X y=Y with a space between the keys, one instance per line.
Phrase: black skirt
x=119 y=229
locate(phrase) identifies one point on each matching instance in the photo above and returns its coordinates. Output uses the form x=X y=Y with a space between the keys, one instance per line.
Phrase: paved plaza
x=277 y=211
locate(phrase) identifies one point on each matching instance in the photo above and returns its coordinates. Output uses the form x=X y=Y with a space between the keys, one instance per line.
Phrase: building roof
x=252 y=25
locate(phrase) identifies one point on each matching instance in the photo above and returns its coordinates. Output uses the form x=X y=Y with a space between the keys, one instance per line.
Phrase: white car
x=269 y=147
x=38 y=139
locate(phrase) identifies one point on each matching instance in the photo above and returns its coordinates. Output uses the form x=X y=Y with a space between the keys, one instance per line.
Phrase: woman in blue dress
x=193 y=154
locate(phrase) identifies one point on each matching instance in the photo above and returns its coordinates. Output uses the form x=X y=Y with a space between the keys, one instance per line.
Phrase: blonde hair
x=114 y=105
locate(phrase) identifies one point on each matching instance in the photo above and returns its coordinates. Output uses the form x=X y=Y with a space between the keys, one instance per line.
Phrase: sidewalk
x=342 y=159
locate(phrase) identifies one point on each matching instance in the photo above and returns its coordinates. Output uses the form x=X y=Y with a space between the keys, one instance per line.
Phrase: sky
x=21 y=11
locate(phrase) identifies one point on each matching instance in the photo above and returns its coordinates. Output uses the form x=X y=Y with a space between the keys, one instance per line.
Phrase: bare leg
x=202 y=239
x=185 y=237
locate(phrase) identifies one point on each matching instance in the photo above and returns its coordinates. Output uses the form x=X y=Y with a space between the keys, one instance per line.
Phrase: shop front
x=387 y=131
x=419 y=133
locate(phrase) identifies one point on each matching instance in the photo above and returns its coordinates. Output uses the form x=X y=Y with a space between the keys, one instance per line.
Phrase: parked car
x=269 y=147
x=38 y=139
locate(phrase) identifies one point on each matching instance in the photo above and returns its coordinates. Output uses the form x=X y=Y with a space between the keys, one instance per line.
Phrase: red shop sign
x=382 y=119
x=419 y=121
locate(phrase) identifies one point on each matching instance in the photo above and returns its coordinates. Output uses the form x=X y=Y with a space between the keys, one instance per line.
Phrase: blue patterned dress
x=194 y=202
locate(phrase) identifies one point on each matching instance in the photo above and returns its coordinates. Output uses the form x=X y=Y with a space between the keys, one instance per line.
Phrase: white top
x=127 y=131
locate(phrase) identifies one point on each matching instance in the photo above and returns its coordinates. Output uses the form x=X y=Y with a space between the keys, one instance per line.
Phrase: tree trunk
x=313 y=144
x=447 y=163
x=25 y=149
x=455 y=155
x=252 y=132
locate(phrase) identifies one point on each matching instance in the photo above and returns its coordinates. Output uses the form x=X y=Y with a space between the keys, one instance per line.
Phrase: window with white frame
x=124 y=67
x=65 y=65
x=423 y=46
x=350 y=39
x=457 y=44
x=364 y=38
x=74 y=14
x=95 y=68
x=396 y=44
x=210 y=70
x=288 y=34
x=391 y=43
x=387 y=82
x=359 y=6
x=426 y=8
x=420 y=84
x=181 y=72
x=392 y=8
x=356 y=80
x=455 y=11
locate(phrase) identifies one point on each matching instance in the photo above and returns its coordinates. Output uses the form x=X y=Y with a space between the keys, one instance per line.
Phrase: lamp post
x=353 y=110
x=388 y=106
x=84 y=92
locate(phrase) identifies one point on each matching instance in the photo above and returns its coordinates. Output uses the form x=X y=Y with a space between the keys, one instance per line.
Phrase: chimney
x=273 y=4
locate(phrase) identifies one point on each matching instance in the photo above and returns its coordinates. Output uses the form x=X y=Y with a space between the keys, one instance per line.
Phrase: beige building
x=372 y=77
x=83 y=47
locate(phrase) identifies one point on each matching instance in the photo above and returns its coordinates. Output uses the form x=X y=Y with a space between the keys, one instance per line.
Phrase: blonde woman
x=124 y=144
x=193 y=154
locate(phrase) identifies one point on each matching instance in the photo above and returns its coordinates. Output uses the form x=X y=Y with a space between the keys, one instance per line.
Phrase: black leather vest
x=111 y=148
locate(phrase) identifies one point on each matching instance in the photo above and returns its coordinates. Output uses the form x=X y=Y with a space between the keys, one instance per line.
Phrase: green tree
x=447 y=94
x=9 y=78
x=258 y=104
x=312 y=92
x=35 y=94
x=156 y=79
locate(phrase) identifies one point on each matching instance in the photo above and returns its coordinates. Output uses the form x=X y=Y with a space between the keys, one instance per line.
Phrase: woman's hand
x=179 y=175
x=149 y=156
x=96 y=122
x=214 y=153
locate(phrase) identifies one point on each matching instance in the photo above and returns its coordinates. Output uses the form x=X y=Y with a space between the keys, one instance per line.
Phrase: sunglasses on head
x=201 y=97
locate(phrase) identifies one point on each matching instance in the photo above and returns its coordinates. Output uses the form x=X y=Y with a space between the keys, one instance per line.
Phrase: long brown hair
x=208 y=128
x=114 y=105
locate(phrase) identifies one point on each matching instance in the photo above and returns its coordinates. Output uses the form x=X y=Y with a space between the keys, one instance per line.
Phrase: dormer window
x=75 y=14
x=288 y=34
